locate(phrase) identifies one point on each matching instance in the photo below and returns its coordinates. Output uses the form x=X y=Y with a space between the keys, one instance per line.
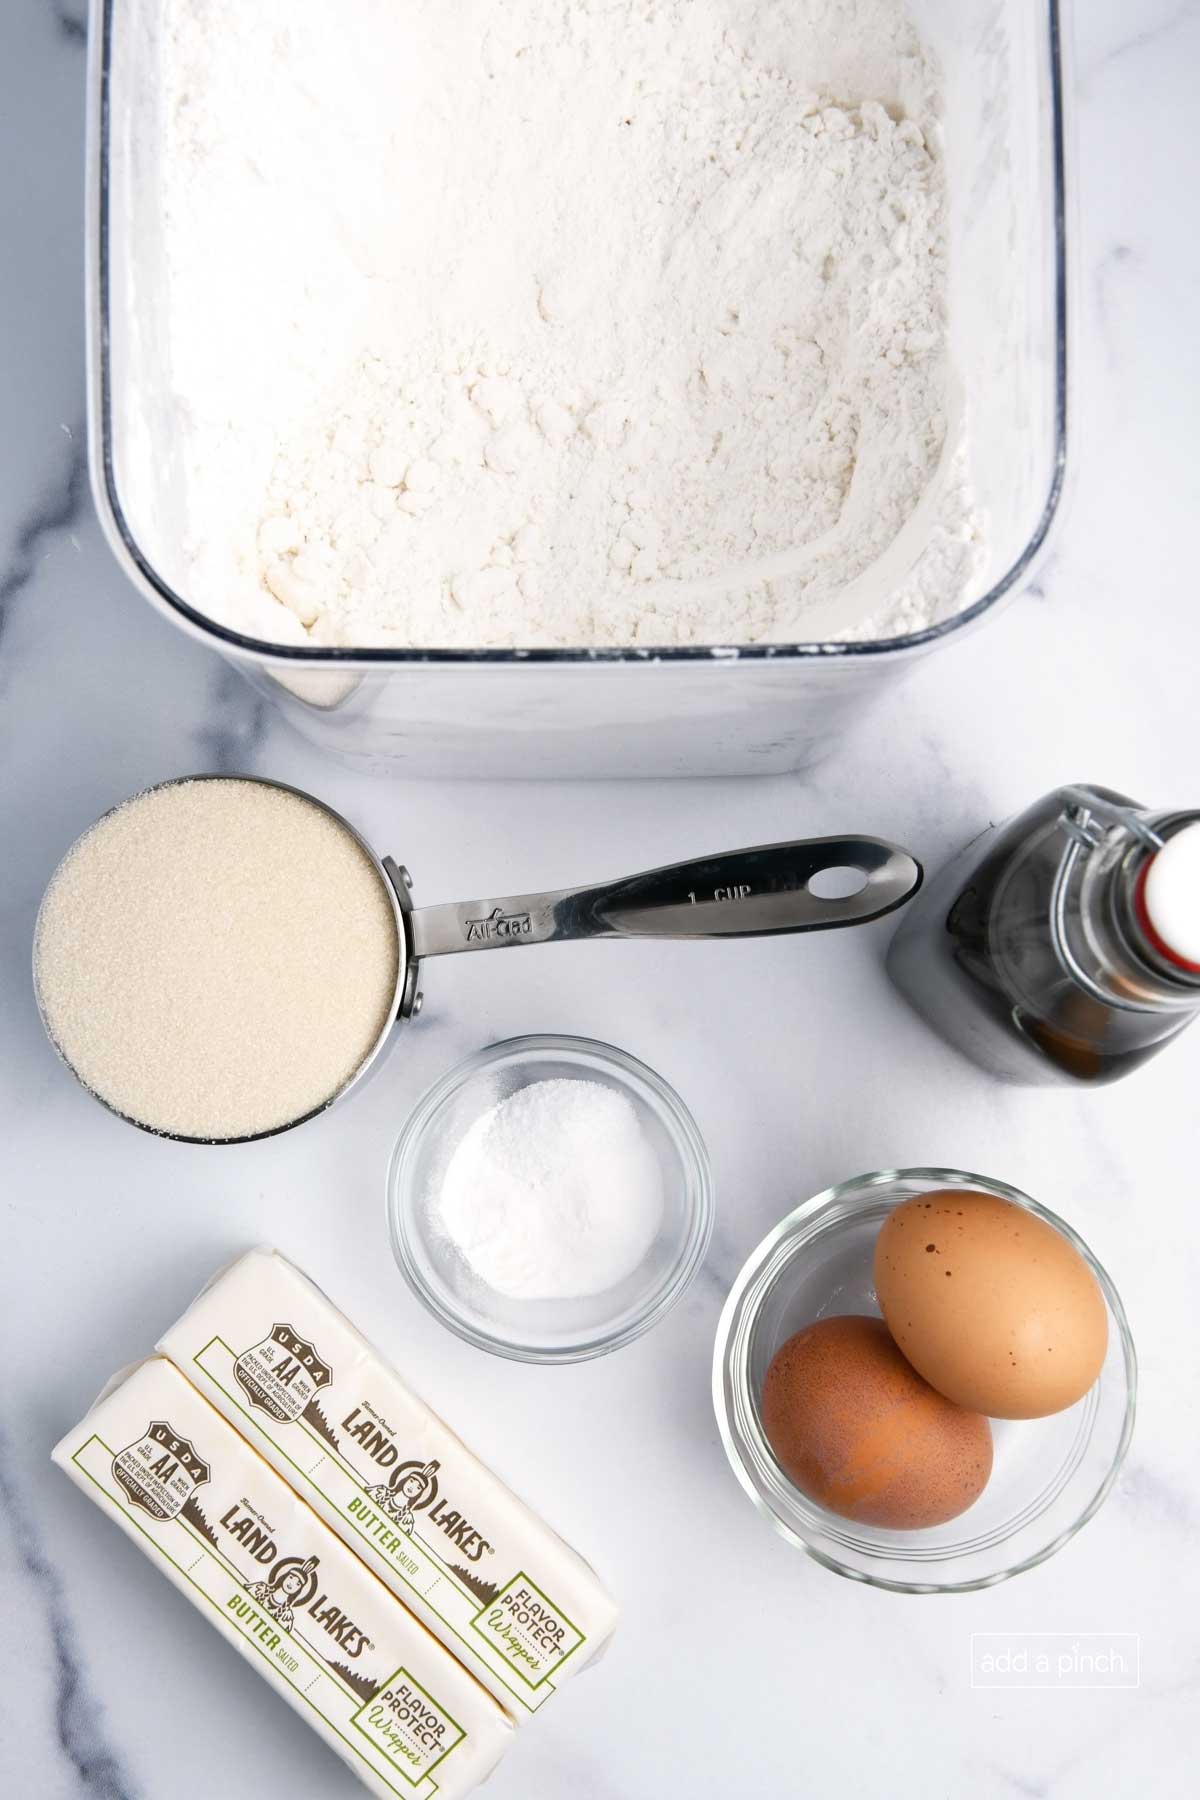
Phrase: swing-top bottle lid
x=1168 y=898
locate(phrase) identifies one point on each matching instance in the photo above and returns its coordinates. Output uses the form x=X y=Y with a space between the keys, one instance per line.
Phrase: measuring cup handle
x=761 y=892
x=745 y=893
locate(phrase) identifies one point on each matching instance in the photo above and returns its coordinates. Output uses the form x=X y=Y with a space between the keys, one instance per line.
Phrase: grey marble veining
x=1144 y=28
x=72 y=23
x=740 y=1667
x=228 y=740
x=77 y=1725
x=56 y=510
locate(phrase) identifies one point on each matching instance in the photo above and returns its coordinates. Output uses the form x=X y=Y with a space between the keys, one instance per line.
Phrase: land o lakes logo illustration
x=412 y=1488
x=161 y=1471
x=290 y=1586
x=408 y=1490
x=282 y=1373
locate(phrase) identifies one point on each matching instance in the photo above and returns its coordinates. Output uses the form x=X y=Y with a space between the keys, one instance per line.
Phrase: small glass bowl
x=1049 y=1475
x=547 y=1331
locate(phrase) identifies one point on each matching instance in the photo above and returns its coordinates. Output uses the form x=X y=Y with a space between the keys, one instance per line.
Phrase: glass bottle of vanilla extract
x=1063 y=946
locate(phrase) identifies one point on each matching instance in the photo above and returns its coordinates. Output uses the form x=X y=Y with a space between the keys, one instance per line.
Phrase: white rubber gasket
x=1172 y=894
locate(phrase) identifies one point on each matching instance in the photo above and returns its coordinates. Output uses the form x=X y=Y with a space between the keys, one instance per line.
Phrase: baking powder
x=555 y=1193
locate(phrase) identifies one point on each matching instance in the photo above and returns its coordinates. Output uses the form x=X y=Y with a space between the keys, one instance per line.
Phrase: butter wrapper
x=501 y=1590
x=283 y=1589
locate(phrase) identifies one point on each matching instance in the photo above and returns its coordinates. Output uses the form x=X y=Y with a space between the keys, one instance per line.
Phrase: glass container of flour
x=693 y=658
x=550 y=1199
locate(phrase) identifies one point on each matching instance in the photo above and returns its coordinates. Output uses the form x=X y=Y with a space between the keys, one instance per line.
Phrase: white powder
x=216 y=959
x=553 y=1194
x=561 y=323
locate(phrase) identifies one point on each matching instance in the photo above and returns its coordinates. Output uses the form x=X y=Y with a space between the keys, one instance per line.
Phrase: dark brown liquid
x=977 y=958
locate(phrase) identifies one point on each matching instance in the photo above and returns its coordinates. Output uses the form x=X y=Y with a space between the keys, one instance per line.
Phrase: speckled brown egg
x=855 y=1427
x=990 y=1304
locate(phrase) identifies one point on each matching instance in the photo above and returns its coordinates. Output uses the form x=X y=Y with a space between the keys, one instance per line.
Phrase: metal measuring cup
x=761 y=892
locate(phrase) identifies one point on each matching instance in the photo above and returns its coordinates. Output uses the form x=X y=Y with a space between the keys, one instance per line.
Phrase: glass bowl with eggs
x=925 y=1380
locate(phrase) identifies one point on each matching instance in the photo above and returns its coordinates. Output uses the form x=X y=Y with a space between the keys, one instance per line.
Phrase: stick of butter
x=283 y=1589
x=501 y=1590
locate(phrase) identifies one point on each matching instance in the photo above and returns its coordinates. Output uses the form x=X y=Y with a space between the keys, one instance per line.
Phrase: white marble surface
x=741 y=1666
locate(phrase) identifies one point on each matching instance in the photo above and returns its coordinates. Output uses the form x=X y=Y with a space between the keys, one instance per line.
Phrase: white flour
x=562 y=322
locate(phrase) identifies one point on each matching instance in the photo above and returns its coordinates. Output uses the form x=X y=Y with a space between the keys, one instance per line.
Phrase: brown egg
x=858 y=1431
x=990 y=1304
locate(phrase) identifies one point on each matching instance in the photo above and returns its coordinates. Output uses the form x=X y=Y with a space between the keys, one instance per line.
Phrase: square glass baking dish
x=722 y=710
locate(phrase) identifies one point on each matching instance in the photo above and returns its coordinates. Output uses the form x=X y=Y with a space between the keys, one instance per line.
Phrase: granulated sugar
x=552 y=324
x=216 y=959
